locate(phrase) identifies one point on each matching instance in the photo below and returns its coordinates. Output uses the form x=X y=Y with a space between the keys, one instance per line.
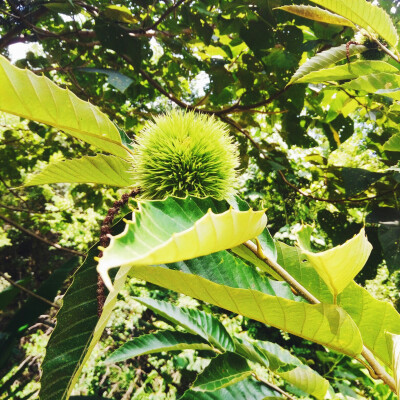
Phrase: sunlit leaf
x=226 y=281
x=338 y=266
x=102 y=169
x=179 y=229
x=393 y=343
x=383 y=83
x=316 y=14
x=37 y=98
x=348 y=71
x=366 y=15
x=325 y=59
x=373 y=317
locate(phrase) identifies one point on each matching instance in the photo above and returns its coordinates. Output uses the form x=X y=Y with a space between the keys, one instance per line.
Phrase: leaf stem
x=378 y=370
x=272 y=386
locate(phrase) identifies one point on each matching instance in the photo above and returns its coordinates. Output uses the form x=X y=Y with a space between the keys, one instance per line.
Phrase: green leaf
x=226 y=281
x=284 y=364
x=376 y=83
x=393 y=344
x=246 y=389
x=33 y=308
x=338 y=266
x=372 y=317
x=74 y=336
x=101 y=169
x=393 y=144
x=37 y=98
x=157 y=343
x=119 y=14
x=302 y=376
x=177 y=229
x=325 y=59
x=357 y=180
x=223 y=370
x=366 y=15
x=115 y=78
x=194 y=321
x=348 y=71
x=316 y=14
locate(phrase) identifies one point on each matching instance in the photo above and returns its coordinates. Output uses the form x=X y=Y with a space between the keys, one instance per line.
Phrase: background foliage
x=309 y=152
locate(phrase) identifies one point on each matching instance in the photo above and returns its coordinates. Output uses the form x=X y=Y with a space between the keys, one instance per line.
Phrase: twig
x=347 y=199
x=272 y=386
x=165 y=14
x=36 y=236
x=378 y=370
x=24 y=289
x=15 y=194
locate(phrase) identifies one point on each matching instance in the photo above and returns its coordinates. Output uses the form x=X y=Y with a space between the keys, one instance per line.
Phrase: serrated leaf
x=194 y=321
x=156 y=343
x=380 y=83
x=325 y=59
x=177 y=229
x=366 y=15
x=101 y=169
x=37 y=98
x=223 y=370
x=372 y=317
x=338 y=266
x=77 y=330
x=246 y=389
x=316 y=14
x=283 y=363
x=226 y=281
x=348 y=71
x=393 y=344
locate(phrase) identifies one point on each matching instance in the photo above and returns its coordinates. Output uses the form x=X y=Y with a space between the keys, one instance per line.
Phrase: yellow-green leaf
x=120 y=14
x=393 y=343
x=337 y=266
x=37 y=98
x=366 y=15
x=101 y=169
x=348 y=71
x=177 y=229
x=317 y=14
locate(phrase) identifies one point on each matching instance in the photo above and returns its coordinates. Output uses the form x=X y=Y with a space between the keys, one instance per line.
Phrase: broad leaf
x=157 y=343
x=195 y=321
x=357 y=180
x=283 y=363
x=226 y=281
x=348 y=71
x=101 y=169
x=246 y=389
x=366 y=15
x=393 y=342
x=177 y=229
x=37 y=98
x=317 y=14
x=376 y=83
x=223 y=370
x=393 y=144
x=337 y=266
x=325 y=59
x=72 y=340
x=372 y=317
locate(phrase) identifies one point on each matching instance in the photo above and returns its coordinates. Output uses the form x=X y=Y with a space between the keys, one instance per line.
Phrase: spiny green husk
x=184 y=153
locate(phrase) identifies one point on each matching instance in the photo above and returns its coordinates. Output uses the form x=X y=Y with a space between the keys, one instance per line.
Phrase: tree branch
x=38 y=237
x=165 y=14
x=272 y=386
x=24 y=289
x=377 y=368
